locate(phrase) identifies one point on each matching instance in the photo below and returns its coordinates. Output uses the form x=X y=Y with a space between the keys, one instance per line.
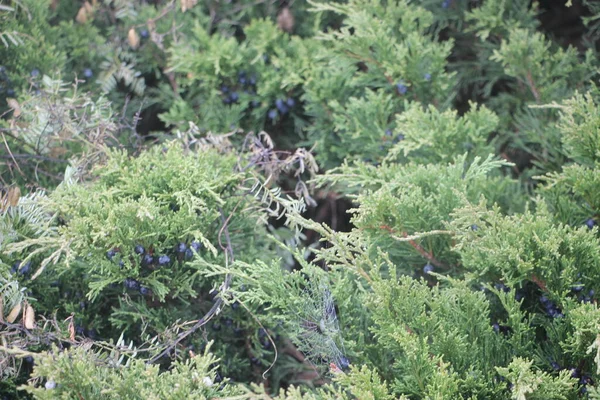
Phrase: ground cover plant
x=299 y=199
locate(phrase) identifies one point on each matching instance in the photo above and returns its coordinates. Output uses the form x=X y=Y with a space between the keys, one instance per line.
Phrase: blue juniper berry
x=139 y=249
x=281 y=106
x=401 y=88
x=428 y=268
x=164 y=260
x=147 y=260
x=590 y=223
x=144 y=291
x=132 y=284
x=272 y=114
x=110 y=254
x=88 y=73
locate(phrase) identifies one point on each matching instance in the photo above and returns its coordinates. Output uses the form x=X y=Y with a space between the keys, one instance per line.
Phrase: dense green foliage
x=171 y=172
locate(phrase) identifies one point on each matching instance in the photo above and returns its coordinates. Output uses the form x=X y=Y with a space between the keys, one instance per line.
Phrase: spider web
x=320 y=337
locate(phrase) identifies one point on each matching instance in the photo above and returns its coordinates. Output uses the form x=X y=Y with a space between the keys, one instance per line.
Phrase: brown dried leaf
x=29 y=317
x=71 y=330
x=84 y=13
x=188 y=4
x=14 y=313
x=133 y=38
x=285 y=20
x=16 y=107
x=13 y=196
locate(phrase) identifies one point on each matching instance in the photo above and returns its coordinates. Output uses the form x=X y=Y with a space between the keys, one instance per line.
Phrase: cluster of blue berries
x=282 y=107
x=552 y=310
x=584 y=379
x=583 y=297
x=247 y=83
x=390 y=134
x=148 y=260
x=22 y=270
x=401 y=88
x=5 y=83
x=89 y=333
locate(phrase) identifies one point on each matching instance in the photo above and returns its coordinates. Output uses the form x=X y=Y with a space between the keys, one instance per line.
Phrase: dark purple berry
x=28 y=360
x=227 y=321
x=578 y=287
x=255 y=360
x=555 y=366
x=398 y=138
x=401 y=88
x=281 y=106
x=188 y=254
x=139 y=249
x=252 y=80
x=224 y=89
x=574 y=372
x=290 y=102
x=234 y=97
x=132 y=284
x=196 y=246
x=88 y=73
x=10 y=93
x=181 y=248
x=235 y=305
x=344 y=363
x=474 y=227
x=164 y=260
x=427 y=77
x=35 y=73
x=428 y=268
x=496 y=327
x=144 y=291
x=590 y=223
x=144 y=34
x=545 y=301
x=147 y=260
x=255 y=103
x=388 y=132
x=591 y=293
x=272 y=114
x=110 y=254
x=446 y=4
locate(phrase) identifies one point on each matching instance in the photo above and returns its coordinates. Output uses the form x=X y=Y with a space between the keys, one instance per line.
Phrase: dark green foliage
x=155 y=242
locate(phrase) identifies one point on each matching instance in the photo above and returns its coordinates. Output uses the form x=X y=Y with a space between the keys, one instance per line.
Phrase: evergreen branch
x=428 y=255
x=216 y=308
